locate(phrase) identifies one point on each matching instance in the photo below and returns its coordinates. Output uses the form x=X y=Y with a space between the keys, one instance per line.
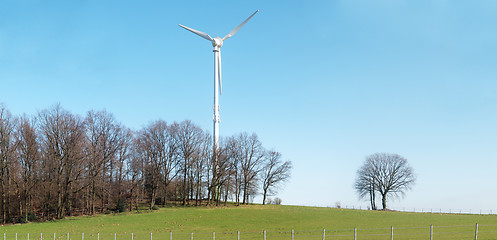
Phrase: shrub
x=121 y=206
x=22 y=219
x=32 y=217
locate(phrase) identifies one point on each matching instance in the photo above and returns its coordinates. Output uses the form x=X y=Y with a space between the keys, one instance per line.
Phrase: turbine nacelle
x=217 y=42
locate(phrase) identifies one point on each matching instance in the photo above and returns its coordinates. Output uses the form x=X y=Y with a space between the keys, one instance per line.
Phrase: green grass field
x=251 y=221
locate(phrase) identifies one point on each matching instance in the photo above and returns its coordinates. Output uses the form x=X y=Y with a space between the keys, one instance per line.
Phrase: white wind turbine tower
x=217 y=43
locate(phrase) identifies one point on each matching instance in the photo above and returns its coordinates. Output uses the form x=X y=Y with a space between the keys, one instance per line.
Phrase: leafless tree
x=169 y=155
x=232 y=169
x=190 y=138
x=29 y=160
x=158 y=146
x=62 y=143
x=365 y=186
x=223 y=180
x=387 y=174
x=249 y=153
x=149 y=155
x=7 y=150
x=104 y=139
x=136 y=174
x=201 y=167
x=123 y=167
x=274 y=173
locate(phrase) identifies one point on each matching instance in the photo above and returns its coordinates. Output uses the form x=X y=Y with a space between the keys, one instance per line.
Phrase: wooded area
x=57 y=164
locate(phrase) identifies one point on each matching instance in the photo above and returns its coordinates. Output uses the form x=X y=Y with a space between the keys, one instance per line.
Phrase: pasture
x=252 y=220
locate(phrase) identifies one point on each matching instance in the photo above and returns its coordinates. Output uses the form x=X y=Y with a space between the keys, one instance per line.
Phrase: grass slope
x=252 y=219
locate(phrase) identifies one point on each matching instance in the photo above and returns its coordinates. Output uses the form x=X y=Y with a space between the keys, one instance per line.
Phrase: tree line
x=55 y=164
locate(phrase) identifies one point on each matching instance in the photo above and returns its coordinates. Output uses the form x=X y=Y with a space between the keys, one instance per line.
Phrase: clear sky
x=325 y=83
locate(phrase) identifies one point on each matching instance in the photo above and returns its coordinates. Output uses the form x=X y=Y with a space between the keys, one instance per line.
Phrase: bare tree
x=232 y=168
x=275 y=172
x=149 y=154
x=200 y=167
x=104 y=139
x=365 y=186
x=29 y=160
x=136 y=175
x=190 y=138
x=387 y=174
x=158 y=146
x=123 y=167
x=169 y=155
x=249 y=153
x=226 y=170
x=62 y=141
x=7 y=150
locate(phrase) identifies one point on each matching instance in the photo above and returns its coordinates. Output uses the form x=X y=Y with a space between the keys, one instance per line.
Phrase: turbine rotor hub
x=218 y=42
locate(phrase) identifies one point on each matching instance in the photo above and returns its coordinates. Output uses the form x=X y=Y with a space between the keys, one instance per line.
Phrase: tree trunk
x=264 y=197
x=372 y=197
x=185 y=189
x=92 y=198
x=226 y=195
x=245 y=186
x=152 y=198
x=384 y=201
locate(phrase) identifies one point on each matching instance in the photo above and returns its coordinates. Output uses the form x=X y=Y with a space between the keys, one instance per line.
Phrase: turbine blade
x=239 y=26
x=220 y=78
x=202 y=34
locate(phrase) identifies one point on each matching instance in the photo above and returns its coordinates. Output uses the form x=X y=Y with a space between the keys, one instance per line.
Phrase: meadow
x=278 y=222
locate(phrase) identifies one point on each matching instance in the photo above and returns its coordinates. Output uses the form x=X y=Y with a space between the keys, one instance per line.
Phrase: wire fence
x=430 y=210
x=488 y=231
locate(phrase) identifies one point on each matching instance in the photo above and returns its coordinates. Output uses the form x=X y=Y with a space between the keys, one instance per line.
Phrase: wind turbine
x=217 y=43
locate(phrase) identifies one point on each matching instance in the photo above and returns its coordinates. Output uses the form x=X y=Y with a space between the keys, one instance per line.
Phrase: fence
x=430 y=210
x=430 y=232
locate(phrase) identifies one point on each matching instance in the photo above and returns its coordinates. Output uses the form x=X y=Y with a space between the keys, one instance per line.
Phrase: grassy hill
x=278 y=221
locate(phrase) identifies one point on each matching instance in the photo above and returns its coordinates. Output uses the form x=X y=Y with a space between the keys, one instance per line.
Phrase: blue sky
x=326 y=83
